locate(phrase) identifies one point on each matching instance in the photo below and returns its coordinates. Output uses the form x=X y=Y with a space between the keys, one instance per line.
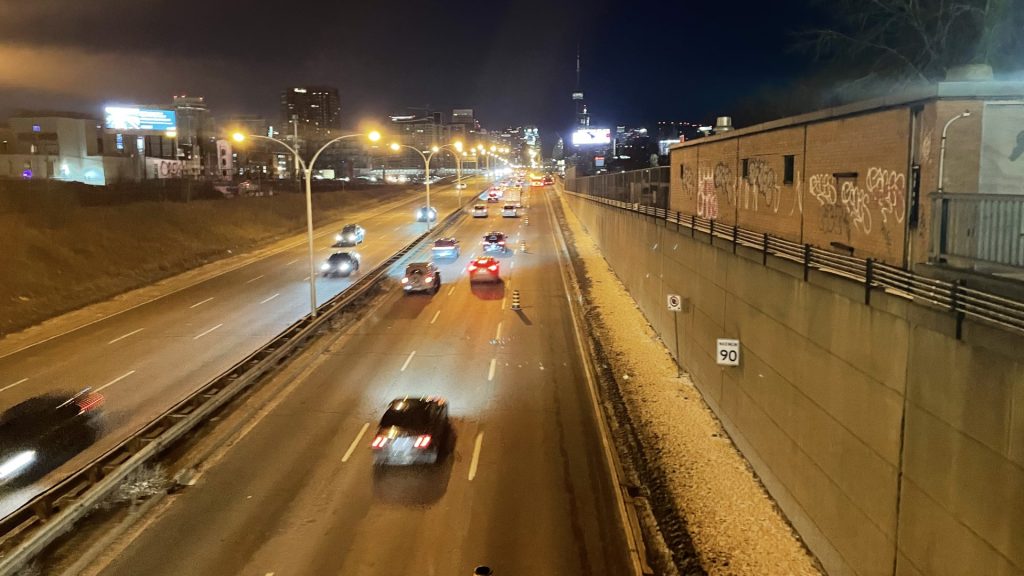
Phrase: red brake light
x=493 y=267
x=379 y=442
x=423 y=441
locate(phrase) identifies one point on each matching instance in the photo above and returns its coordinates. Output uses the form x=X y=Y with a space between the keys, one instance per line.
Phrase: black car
x=424 y=214
x=412 y=431
x=350 y=235
x=41 y=433
x=494 y=242
x=340 y=264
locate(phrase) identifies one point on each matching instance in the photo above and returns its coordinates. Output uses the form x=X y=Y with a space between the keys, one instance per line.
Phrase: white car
x=510 y=211
x=480 y=211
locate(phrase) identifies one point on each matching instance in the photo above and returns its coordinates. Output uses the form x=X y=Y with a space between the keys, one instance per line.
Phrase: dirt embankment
x=57 y=254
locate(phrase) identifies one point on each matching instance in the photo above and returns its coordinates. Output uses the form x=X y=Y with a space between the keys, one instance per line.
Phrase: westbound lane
x=525 y=489
x=150 y=357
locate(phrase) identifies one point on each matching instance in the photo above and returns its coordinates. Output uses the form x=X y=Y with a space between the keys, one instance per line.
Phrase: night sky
x=512 y=62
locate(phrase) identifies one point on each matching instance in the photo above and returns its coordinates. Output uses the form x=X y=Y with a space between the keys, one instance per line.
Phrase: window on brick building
x=787 y=170
x=746 y=167
x=682 y=169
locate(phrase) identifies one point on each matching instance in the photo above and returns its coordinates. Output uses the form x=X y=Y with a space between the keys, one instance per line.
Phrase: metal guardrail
x=26 y=532
x=979 y=227
x=959 y=300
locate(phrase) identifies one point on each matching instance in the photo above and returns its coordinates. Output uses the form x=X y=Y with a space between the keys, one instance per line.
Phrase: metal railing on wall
x=960 y=301
x=979 y=227
x=647 y=187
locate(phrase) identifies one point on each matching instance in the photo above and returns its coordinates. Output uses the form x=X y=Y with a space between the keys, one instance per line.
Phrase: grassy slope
x=66 y=257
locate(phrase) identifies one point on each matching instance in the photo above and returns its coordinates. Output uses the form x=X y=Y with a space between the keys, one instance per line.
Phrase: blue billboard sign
x=132 y=118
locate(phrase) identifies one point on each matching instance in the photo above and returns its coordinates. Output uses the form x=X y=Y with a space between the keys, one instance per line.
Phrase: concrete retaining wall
x=893 y=447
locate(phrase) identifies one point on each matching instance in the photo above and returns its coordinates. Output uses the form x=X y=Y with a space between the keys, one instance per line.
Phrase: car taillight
x=472 y=267
x=405 y=280
x=501 y=242
x=379 y=442
x=423 y=441
x=428 y=279
x=89 y=402
x=493 y=268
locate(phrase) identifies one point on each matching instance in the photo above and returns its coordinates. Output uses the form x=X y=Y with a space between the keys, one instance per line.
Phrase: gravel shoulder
x=688 y=461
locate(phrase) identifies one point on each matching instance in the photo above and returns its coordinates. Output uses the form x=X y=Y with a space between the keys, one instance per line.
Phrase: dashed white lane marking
x=255 y=279
x=207 y=332
x=436 y=314
x=407 y=360
x=132 y=333
x=452 y=291
x=490 y=372
x=271 y=298
x=476 y=455
x=115 y=380
x=398 y=228
x=352 y=448
x=198 y=304
x=498 y=335
x=382 y=236
x=292 y=262
x=512 y=265
x=9 y=386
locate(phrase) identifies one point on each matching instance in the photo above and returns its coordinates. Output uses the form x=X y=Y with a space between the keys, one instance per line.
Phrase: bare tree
x=917 y=40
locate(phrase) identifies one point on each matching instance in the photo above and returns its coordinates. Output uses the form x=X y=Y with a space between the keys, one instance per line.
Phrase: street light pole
x=942 y=147
x=307 y=170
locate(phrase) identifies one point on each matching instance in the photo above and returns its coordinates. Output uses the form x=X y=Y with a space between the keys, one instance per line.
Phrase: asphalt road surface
x=525 y=488
x=148 y=358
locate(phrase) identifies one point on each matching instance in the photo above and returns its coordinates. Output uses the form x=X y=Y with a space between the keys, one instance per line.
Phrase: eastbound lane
x=148 y=358
x=525 y=489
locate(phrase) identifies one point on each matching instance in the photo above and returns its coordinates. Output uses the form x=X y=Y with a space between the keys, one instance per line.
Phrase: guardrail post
x=807 y=262
x=869 y=278
x=735 y=237
x=693 y=225
x=954 y=305
x=711 y=233
x=764 y=251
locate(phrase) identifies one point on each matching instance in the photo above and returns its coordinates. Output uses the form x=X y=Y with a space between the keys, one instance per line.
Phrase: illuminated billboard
x=133 y=118
x=592 y=136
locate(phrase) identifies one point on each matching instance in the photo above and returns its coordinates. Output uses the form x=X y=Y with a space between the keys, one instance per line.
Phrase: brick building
x=863 y=178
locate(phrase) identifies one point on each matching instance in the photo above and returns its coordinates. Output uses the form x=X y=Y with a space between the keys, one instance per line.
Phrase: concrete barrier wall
x=893 y=447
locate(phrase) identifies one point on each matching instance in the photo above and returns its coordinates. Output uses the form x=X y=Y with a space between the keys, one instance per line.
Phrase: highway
x=526 y=488
x=150 y=357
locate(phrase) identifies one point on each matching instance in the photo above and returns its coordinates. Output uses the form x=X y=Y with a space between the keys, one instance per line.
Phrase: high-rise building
x=196 y=149
x=316 y=109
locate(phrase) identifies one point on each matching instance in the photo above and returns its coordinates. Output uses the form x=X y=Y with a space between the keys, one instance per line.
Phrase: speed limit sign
x=728 y=352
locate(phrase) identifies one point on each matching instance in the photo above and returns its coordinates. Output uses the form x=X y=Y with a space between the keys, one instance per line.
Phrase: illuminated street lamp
x=307 y=169
x=395 y=146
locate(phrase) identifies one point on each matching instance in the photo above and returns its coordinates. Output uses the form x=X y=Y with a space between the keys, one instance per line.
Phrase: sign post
x=675 y=305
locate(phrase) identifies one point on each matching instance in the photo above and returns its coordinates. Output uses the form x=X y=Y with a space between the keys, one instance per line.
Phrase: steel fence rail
x=27 y=531
x=953 y=297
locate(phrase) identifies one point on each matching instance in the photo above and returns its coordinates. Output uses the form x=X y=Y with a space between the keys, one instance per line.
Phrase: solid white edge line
x=9 y=386
x=115 y=380
x=407 y=360
x=197 y=304
x=207 y=332
x=132 y=333
x=255 y=279
x=436 y=314
x=490 y=371
x=602 y=425
x=271 y=298
x=476 y=455
x=292 y=262
x=352 y=448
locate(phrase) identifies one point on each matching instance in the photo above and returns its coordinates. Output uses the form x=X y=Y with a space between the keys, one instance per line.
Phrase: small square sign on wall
x=728 y=352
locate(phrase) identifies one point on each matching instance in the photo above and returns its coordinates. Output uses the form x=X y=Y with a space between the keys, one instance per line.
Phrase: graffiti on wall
x=707 y=196
x=725 y=183
x=847 y=206
x=689 y=182
x=761 y=187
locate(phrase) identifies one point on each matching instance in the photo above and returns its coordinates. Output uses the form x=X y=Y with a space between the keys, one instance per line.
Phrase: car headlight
x=325 y=266
x=15 y=464
x=337 y=238
x=351 y=236
x=344 y=267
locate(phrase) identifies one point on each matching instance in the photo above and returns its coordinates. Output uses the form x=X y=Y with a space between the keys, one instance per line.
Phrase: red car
x=484 y=269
